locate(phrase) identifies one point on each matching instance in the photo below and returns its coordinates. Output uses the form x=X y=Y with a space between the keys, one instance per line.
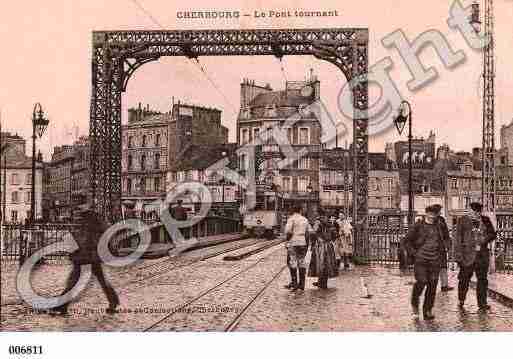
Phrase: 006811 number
x=25 y=349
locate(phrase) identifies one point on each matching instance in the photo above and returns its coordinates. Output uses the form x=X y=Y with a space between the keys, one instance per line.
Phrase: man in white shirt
x=296 y=231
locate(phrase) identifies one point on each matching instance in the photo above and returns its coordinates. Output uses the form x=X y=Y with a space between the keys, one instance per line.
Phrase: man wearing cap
x=473 y=233
x=427 y=241
x=444 y=276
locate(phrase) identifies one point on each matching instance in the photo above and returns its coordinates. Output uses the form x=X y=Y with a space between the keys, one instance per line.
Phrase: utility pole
x=488 y=168
x=346 y=182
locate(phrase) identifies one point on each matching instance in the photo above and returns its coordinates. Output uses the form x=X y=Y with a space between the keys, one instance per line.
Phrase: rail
x=382 y=246
x=19 y=242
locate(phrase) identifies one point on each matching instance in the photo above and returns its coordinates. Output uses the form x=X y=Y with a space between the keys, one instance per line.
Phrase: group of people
x=330 y=242
x=428 y=242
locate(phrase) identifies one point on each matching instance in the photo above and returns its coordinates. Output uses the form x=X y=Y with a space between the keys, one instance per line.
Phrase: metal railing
x=382 y=247
x=207 y=227
x=20 y=241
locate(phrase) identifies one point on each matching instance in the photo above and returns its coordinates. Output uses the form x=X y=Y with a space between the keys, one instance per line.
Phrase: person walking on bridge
x=473 y=234
x=427 y=242
x=87 y=237
x=296 y=231
x=323 y=264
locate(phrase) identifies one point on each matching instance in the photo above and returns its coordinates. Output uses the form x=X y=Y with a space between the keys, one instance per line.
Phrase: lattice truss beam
x=488 y=171
x=118 y=54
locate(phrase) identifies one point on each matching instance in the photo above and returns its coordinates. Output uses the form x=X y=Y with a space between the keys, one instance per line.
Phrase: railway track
x=232 y=325
x=162 y=267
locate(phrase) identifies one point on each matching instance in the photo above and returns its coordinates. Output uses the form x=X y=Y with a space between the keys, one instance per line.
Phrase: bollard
x=365 y=289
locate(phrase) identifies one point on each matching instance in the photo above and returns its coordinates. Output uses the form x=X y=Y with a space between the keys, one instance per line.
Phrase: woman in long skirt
x=323 y=263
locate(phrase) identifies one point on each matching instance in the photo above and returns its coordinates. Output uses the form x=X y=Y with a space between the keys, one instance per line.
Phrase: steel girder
x=118 y=54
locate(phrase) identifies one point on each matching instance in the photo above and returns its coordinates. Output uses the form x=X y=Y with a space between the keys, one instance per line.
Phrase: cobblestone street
x=200 y=291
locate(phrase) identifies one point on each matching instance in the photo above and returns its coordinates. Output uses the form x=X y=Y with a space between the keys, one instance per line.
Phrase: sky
x=47 y=59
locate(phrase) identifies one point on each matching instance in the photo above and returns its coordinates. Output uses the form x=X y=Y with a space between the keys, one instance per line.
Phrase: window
x=304 y=163
x=130 y=141
x=143 y=162
x=268 y=134
x=256 y=131
x=287 y=184
x=157 y=139
x=304 y=136
x=325 y=178
x=142 y=185
x=303 y=184
x=467 y=202
x=454 y=184
x=143 y=142
x=290 y=136
x=130 y=162
x=173 y=177
x=15 y=179
x=242 y=162
x=15 y=197
x=27 y=197
x=188 y=175
x=157 y=161
x=14 y=216
x=157 y=184
x=28 y=178
x=129 y=185
x=245 y=136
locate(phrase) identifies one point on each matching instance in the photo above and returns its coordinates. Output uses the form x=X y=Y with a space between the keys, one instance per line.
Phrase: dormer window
x=270 y=110
x=246 y=112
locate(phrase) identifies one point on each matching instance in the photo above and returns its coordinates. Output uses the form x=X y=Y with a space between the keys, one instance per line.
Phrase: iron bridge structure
x=116 y=55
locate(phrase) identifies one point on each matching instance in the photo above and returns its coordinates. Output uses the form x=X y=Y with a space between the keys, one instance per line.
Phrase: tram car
x=266 y=219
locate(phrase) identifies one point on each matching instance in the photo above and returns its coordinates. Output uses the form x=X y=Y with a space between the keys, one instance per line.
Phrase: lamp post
x=39 y=125
x=405 y=115
x=309 y=190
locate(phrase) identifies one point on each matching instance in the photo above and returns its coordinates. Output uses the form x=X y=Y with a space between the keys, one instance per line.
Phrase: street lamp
x=405 y=115
x=39 y=125
x=309 y=190
x=474 y=18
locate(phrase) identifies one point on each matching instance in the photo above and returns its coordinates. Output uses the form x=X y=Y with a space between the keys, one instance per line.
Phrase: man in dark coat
x=473 y=234
x=427 y=242
x=87 y=237
x=444 y=276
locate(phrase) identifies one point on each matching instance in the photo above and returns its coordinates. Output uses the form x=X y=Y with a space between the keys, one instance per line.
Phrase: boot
x=302 y=275
x=112 y=307
x=293 y=279
x=323 y=283
x=428 y=315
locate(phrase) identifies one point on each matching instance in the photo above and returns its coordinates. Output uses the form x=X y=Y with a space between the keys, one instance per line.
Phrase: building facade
x=194 y=165
x=16 y=181
x=463 y=186
x=153 y=141
x=506 y=137
x=58 y=185
x=262 y=110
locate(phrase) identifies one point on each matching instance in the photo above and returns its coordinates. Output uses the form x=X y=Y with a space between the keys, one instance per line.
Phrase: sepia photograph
x=250 y=167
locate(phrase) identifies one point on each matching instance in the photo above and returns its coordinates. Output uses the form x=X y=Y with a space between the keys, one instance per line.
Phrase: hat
x=476 y=206
x=434 y=208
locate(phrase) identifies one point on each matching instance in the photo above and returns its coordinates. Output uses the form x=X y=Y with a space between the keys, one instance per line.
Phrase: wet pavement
x=247 y=295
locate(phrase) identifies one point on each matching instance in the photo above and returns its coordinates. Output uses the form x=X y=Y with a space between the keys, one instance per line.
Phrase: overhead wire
x=201 y=67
